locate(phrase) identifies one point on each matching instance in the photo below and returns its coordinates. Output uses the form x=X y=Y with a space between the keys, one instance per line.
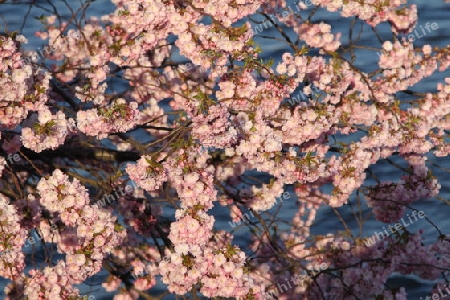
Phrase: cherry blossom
x=177 y=99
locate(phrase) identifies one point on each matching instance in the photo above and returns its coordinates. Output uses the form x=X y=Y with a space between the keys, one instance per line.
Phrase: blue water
x=17 y=16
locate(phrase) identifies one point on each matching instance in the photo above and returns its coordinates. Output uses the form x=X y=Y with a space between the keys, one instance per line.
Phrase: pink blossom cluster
x=319 y=36
x=403 y=20
x=428 y=123
x=350 y=173
x=49 y=132
x=97 y=121
x=59 y=195
x=261 y=138
x=195 y=188
x=398 y=61
x=203 y=38
x=220 y=134
x=75 y=46
x=152 y=22
x=147 y=173
x=220 y=272
x=12 y=237
x=234 y=93
x=272 y=94
x=50 y=283
x=196 y=259
x=228 y=12
x=305 y=124
x=118 y=117
x=23 y=87
x=265 y=198
x=374 y=12
x=89 y=232
x=398 y=55
x=191 y=230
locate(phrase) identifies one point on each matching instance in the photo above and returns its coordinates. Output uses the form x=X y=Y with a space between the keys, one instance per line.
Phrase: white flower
x=45 y=116
x=426 y=49
x=281 y=69
x=272 y=145
x=19 y=75
x=387 y=46
x=21 y=39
